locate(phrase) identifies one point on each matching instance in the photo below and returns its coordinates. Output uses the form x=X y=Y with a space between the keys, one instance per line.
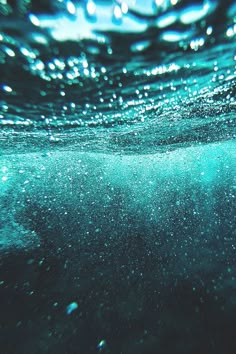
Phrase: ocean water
x=117 y=177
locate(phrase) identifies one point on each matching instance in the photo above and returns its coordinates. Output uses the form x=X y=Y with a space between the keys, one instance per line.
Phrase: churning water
x=117 y=176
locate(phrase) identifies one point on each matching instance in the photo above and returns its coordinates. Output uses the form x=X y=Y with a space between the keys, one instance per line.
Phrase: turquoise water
x=146 y=81
x=117 y=177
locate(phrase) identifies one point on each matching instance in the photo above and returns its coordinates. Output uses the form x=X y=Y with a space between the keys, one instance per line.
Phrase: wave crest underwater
x=142 y=76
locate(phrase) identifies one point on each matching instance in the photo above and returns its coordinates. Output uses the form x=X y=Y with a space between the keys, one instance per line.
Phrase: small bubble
x=101 y=345
x=7 y=88
x=71 y=8
x=39 y=65
x=124 y=7
x=117 y=13
x=34 y=20
x=209 y=30
x=10 y=52
x=71 y=307
x=91 y=8
x=109 y=51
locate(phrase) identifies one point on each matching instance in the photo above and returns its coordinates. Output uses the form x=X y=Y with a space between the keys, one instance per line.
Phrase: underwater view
x=117 y=177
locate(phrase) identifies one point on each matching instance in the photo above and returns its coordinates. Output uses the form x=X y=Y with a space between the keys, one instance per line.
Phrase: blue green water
x=117 y=177
x=146 y=81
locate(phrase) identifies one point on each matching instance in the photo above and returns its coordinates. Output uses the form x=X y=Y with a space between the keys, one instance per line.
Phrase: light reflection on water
x=156 y=69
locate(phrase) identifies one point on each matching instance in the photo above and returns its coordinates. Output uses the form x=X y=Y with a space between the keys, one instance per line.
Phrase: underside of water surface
x=117 y=177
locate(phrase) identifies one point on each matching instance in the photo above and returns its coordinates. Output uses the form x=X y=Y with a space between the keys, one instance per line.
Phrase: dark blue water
x=117 y=177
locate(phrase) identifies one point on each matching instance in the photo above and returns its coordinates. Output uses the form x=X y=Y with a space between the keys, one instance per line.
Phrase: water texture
x=117 y=177
x=117 y=76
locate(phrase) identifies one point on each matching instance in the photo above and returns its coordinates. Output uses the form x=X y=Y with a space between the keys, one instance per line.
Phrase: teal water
x=143 y=82
x=117 y=177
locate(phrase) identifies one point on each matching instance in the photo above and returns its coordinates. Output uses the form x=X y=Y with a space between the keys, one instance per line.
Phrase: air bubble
x=7 y=88
x=71 y=8
x=91 y=8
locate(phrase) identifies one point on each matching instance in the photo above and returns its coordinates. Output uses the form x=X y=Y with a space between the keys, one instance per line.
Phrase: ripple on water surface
x=117 y=76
